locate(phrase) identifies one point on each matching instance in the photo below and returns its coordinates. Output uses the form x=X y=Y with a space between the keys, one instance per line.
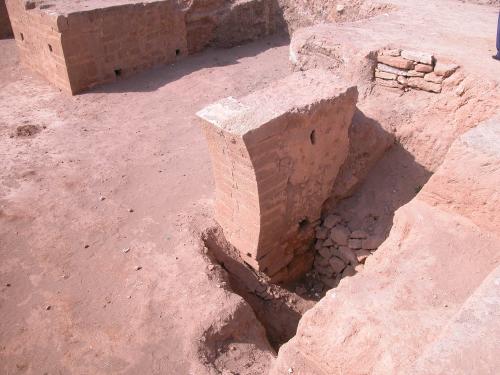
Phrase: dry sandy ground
x=124 y=167
x=71 y=301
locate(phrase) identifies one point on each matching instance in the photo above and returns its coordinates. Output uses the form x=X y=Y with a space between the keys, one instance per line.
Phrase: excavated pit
x=279 y=307
x=389 y=163
x=392 y=167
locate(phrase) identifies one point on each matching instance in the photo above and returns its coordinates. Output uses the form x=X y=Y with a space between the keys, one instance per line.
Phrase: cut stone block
x=414 y=73
x=422 y=84
x=445 y=69
x=388 y=83
x=395 y=61
x=391 y=52
x=432 y=77
x=385 y=75
x=423 y=68
x=389 y=69
x=79 y=45
x=275 y=156
x=421 y=57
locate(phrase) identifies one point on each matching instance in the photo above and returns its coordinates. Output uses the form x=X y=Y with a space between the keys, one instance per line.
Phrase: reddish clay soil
x=82 y=179
x=106 y=262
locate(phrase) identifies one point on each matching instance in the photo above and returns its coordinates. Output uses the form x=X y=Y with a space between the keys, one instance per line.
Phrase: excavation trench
x=278 y=308
x=393 y=151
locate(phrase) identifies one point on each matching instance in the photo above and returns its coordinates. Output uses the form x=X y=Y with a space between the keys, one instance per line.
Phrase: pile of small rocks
x=410 y=69
x=340 y=252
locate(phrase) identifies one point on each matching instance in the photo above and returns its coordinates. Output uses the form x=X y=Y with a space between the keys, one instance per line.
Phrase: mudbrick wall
x=275 y=156
x=5 y=28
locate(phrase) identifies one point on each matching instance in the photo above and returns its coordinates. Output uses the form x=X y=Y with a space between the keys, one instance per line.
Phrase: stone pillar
x=275 y=155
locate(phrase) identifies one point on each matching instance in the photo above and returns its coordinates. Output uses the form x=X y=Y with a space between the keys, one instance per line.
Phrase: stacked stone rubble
x=404 y=69
x=340 y=252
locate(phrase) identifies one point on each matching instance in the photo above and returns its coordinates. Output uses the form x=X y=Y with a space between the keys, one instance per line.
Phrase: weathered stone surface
x=432 y=77
x=421 y=57
x=385 y=75
x=318 y=245
x=445 y=69
x=348 y=271
x=77 y=45
x=254 y=158
x=340 y=235
x=387 y=83
x=423 y=68
x=326 y=252
x=372 y=242
x=320 y=262
x=391 y=52
x=328 y=242
x=325 y=271
x=389 y=69
x=336 y=264
x=403 y=81
x=330 y=282
x=414 y=73
x=362 y=255
x=359 y=234
x=322 y=233
x=422 y=84
x=244 y=21
x=347 y=255
x=368 y=142
x=331 y=221
x=354 y=243
x=395 y=61
x=413 y=289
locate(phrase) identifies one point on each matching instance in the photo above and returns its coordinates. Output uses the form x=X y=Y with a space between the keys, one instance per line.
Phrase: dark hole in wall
x=304 y=224
x=50 y=48
x=22 y=36
x=118 y=73
x=177 y=52
x=312 y=137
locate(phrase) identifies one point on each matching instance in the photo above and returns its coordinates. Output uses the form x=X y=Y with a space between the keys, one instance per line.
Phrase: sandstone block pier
x=275 y=156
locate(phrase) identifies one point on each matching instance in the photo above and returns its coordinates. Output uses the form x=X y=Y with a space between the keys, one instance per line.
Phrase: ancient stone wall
x=104 y=44
x=5 y=28
x=404 y=69
x=82 y=49
x=275 y=156
x=39 y=42
x=201 y=21
x=78 y=45
x=247 y=20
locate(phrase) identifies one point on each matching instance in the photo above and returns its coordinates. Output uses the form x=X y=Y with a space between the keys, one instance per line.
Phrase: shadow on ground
x=157 y=77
